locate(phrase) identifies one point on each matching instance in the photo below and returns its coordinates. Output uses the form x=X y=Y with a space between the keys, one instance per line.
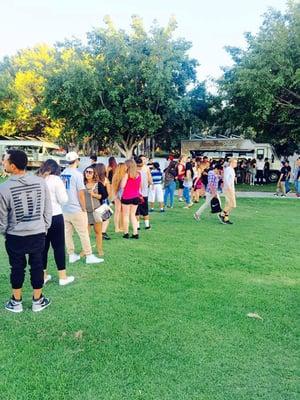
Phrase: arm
x=3 y=215
x=81 y=198
x=61 y=193
x=124 y=181
x=47 y=208
x=150 y=181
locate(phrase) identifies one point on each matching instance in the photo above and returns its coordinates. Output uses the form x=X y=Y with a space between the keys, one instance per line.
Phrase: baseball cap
x=72 y=156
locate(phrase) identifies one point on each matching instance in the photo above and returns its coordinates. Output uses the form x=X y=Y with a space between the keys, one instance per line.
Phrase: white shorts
x=156 y=193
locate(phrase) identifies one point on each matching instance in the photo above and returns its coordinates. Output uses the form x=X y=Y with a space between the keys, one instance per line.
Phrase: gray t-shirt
x=73 y=180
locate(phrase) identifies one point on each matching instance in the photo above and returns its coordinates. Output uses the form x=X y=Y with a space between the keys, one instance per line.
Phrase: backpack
x=215 y=205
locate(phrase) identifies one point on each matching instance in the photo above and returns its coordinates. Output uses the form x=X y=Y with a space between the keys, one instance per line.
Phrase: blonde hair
x=119 y=174
x=131 y=168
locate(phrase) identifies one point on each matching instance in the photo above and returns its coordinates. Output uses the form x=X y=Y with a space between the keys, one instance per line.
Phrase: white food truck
x=237 y=147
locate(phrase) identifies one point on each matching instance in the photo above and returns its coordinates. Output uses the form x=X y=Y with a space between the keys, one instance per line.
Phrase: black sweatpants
x=17 y=248
x=260 y=176
x=56 y=237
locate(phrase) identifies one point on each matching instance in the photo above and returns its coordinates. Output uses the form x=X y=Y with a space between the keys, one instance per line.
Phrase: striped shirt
x=157 y=176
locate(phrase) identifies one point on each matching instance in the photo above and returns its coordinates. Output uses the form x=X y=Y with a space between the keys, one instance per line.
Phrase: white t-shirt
x=229 y=178
x=260 y=165
x=58 y=193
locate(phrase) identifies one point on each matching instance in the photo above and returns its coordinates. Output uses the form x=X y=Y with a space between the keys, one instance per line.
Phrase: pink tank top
x=132 y=188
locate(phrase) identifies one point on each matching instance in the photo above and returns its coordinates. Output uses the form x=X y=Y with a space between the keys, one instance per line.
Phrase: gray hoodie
x=25 y=206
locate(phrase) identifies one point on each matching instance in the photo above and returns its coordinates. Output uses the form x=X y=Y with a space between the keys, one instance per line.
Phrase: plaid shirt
x=212 y=182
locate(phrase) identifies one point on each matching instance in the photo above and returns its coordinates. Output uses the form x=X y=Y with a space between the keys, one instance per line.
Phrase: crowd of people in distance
x=44 y=209
x=254 y=172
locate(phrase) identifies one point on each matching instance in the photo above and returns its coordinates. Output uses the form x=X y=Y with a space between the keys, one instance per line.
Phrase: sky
x=208 y=24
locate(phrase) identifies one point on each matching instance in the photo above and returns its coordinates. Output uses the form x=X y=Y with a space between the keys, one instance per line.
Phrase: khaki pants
x=230 y=201
x=79 y=222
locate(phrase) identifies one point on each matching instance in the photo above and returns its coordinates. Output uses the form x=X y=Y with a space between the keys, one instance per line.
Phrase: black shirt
x=284 y=172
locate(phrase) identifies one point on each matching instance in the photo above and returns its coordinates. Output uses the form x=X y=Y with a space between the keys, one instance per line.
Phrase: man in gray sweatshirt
x=25 y=216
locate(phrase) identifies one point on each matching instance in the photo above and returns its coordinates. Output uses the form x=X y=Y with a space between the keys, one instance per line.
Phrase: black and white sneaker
x=221 y=219
x=41 y=304
x=13 y=305
x=148 y=227
x=228 y=222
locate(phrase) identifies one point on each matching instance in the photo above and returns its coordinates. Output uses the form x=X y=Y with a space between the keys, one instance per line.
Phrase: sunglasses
x=89 y=171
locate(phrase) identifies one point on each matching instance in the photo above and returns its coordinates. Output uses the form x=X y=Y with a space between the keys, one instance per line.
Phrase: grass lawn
x=165 y=317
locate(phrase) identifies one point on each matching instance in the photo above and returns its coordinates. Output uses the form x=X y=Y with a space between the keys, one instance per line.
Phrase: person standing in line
x=260 y=170
x=131 y=186
x=211 y=190
x=267 y=170
x=297 y=177
x=156 y=192
x=188 y=184
x=252 y=172
x=146 y=181
x=288 y=177
x=50 y=171
x=111 y=168
x=281 y=181
x=181 y=175
x=116 y=195
x=229 y=191
x=170 y=184
x=104 y=189
x=74 y=212
x=25 y=217
x=93 y=159
x=93 y=198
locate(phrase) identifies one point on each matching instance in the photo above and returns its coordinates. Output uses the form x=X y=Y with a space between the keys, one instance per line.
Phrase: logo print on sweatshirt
x=27 y=202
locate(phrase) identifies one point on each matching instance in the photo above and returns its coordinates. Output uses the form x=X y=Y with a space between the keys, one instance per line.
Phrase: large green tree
x=261 y=92
x=123 y=87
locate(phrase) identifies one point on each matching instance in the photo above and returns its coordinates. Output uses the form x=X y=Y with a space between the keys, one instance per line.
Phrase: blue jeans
x=186 y=195
x=297 y=188
x=287 y=186
x=169 y=191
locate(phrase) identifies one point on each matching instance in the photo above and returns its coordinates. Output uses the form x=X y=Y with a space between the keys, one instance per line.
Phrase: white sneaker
x=91 y=259
x=73 y=258
x=49 y=277
x=66 y=281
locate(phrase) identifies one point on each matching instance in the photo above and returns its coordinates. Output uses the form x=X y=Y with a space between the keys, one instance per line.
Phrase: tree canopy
x=261 y=92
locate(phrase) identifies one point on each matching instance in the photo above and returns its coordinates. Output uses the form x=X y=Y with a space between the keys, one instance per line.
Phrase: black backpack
x=215 y=205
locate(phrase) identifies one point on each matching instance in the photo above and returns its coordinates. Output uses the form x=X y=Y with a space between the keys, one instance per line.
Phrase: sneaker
x=48 y=279
x=151 y=209
x=283 y=195
x=41 y=304
x=135 y=236
x=180 y=199
x=196 y=217
x=126 y=236
x=148 y=227
x=221 y=219
x=66 y=281
x=14 y=305
x=186 y=207
x=162 y=210
x=276 y=194
x=73 y=258
x=138 y=228
x=92 y=259
x=228 y=222
x=105 y=236
x=190 y=205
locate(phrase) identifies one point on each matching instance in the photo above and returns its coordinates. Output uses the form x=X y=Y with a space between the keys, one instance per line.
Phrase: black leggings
x=17 y=248
x=56 y=237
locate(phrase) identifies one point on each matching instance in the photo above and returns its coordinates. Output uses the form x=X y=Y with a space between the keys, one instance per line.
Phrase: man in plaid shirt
x=214 y=176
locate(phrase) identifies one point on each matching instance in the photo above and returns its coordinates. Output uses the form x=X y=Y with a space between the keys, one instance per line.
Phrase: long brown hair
x=118 y=176
x=131 y=169
x=101 y=172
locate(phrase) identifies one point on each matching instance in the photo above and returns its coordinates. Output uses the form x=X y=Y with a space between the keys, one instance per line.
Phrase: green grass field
x=165 y=317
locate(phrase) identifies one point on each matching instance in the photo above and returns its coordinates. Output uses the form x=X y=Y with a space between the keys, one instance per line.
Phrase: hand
x=93 y=194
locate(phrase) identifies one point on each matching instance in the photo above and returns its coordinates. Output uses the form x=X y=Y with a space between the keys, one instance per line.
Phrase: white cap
x=72 y=156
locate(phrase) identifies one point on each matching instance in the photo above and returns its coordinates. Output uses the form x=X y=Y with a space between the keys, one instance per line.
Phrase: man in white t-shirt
x=229 y=191
x=74 y=211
